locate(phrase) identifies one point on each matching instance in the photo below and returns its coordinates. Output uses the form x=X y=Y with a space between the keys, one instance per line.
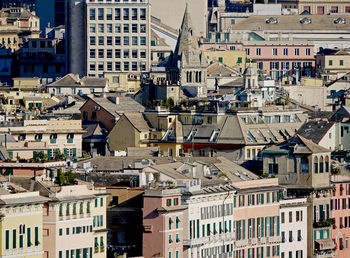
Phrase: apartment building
x=257 y=218
x=42 y=57
x=163 y=223
x=21 y=224
x=340 y=211
x=294 y=219
x=17 y=25
x=303 y=167
x=116 y=36
x=65 y=135
x=332 y=63
x=74 y=221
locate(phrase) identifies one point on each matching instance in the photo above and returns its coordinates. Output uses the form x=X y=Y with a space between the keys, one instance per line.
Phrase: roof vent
x=305 y=20
x=272 y=20
x=339 y=20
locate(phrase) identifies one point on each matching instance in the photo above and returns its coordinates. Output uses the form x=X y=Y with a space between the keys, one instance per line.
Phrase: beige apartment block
x=126 y=82
x=333 y=64
x=16 y=25
x=65 y=135
x=231 y=58
x=117 y=36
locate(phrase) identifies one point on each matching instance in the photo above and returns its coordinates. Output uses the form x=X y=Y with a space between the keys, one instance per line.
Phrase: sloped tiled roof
x=71 y=80
x=315 y=130
x=138 y=121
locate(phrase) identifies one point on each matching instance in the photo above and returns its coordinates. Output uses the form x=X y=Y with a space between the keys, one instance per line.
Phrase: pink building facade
x=257 y=218
x=340 y=211
x=163 y=224
x=275 y=59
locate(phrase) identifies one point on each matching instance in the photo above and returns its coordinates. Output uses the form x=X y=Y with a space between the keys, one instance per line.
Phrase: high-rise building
x=108 y=36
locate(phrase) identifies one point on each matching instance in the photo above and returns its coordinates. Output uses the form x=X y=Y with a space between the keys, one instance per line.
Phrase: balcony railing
x=324 y=223
x=96 y=249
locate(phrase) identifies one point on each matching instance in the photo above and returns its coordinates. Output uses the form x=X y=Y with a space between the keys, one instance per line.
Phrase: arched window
x=321 y=165
x=327 y=164
x=315 y=165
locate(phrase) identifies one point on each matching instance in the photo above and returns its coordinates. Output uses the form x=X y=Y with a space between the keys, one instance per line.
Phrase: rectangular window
x=126 y=13
x=143 y=14
x=7 y=239
x=274 y=52
x=134 y=28
x=92 y=13
x=92 y=41
x=296 y=51
x=101 y=41
x=109 y=28
x=117 y=28
x=117 y=14
x=100 y=14
x=258 y=51
x=29 y=241
x=109 y=53
x=14 y=239
x=341 y=62
x=143 y=41
x=308 y=51
x=117 y=41
x=109 y=14
x=92 y=28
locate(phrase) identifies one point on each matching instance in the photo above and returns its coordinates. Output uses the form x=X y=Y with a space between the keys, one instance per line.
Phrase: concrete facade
x=293 y=213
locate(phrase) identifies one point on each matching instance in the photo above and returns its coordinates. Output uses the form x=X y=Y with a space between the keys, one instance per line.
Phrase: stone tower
x=188 y=63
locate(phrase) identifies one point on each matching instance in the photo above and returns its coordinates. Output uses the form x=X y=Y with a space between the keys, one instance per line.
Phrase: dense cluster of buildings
x=178 y=129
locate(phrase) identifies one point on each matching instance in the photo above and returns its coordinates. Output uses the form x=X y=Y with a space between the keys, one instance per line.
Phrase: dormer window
x=272 y=20
x=305 y=20
x=339 y=21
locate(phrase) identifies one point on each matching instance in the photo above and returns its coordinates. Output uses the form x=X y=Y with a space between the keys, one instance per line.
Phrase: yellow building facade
x=127 y=82
x=99 y=214
x=232 y=58
x=21 y=222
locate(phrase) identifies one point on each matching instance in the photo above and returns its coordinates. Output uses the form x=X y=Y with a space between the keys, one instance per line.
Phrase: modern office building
x=108 y=36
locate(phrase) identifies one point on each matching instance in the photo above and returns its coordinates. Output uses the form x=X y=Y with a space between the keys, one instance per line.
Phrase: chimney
x=117 y=100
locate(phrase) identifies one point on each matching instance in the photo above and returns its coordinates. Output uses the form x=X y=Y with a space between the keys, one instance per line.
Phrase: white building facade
x=116 y=36
x=209 y=223
x=293 y=214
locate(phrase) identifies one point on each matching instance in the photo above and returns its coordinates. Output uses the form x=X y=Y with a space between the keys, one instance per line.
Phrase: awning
x=324 y=244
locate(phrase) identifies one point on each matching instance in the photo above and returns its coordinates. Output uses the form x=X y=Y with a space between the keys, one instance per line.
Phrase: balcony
x=229 y=236
x=97 y=249
x=52 y=140
x=70 y=140
x=324 y=223
x=102 y=248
